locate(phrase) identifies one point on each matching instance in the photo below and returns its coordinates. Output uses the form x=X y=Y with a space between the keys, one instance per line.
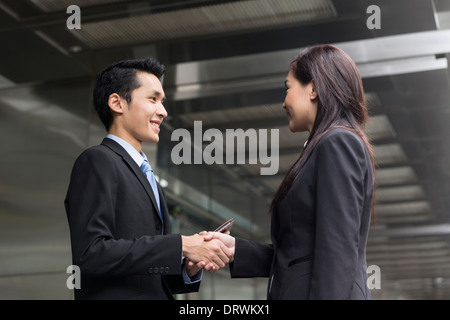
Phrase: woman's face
x=300 y=104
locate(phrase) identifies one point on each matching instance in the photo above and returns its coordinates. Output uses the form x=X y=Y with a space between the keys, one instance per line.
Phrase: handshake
x=207 y=250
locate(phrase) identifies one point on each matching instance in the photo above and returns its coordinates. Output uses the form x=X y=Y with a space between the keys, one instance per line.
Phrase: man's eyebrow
x=158 y=93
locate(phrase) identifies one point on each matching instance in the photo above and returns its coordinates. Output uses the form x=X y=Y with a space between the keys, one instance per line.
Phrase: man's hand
x=211 y=254
x=225 y=238
x=191 y=268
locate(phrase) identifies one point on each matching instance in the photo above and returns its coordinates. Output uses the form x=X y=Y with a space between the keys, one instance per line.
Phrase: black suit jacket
x=319 y=230
x=117 y=235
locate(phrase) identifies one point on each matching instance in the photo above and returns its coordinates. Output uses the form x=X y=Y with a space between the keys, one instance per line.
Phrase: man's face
x=142 y=117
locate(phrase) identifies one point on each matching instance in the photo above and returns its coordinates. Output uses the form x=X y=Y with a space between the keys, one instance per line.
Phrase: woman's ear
x=313 y=91
x=114 y=103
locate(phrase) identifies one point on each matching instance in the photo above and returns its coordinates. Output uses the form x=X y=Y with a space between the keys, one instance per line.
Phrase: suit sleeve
x=177 y=284
x=251 y=259
x=339 y=204
x=90 y=207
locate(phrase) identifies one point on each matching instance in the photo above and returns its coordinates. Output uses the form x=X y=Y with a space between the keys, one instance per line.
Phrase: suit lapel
x=117 y=148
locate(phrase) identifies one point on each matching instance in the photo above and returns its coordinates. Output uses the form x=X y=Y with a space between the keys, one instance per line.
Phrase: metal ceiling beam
x=32 y=15
x=416 y=231
x=375 y=57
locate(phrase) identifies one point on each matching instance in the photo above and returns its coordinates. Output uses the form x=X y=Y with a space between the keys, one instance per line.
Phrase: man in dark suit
x=119 y=224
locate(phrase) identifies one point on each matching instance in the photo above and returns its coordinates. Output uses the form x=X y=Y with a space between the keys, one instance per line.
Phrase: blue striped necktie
x=148 y=171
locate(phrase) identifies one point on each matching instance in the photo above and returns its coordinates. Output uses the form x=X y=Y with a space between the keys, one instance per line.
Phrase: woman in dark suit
x=321 y=212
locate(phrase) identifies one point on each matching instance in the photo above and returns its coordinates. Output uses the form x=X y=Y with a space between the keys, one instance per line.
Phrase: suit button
x=161 y=270
x=150 y=270
x=167 y=269
x=155 y=270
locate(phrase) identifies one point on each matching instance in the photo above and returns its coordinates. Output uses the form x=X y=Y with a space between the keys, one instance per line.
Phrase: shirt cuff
x=188 y=280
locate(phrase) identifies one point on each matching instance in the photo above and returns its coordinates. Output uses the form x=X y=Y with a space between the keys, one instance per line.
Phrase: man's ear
x=313 y=92
x=115 y=103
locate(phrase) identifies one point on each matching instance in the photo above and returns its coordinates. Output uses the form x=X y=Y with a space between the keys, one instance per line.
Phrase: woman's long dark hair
x=341 y=103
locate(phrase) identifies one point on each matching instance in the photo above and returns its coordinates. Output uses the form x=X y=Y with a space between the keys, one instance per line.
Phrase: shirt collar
x=138 y=157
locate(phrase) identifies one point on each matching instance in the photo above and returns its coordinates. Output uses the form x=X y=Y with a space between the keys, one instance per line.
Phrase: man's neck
x=132 y=141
